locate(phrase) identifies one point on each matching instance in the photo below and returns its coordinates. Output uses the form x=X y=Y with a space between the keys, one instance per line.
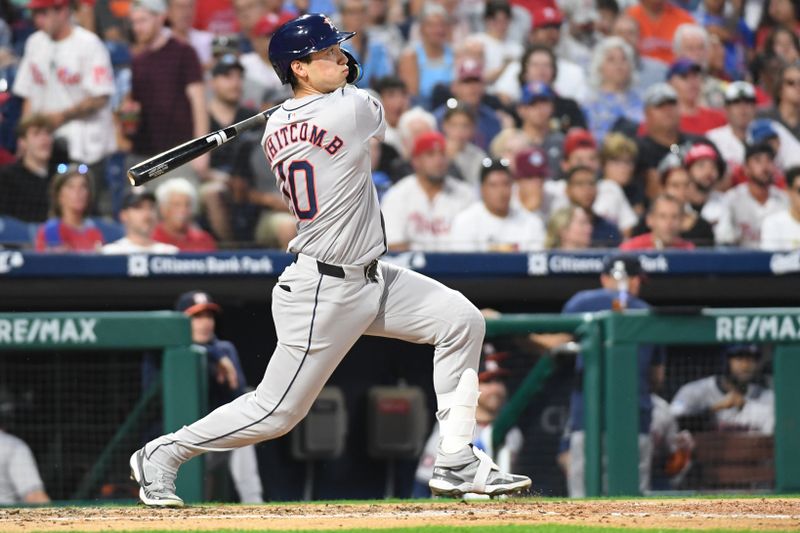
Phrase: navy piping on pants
x=308 y=348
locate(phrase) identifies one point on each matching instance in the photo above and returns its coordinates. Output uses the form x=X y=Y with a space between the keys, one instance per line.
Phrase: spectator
x=535 y=192
x=458 y=126
x=138 y=215
x=658 y=21
x=740 y=109
x=375 y=60
x=420 y=208
x=580 y=37
x=664 y=220
x=536 y=111
x=499 y=48
x=411 y=124
x=607 y=14
x=384 y=27
x=777 y=13
x=538 y=64
x=69 y=229
x=177 y=204
x=430 y=61
x=569 y=79
x=646 y=70
x=693 y=42
x=581 y=190
x=468 y=89
x=248 y=12
x=177 y=100
x=732 y=401
x=685 y=77
x=226 y=383
x=729 y=28
x=569 y=228
x=781 y=230
x=783 y=44
x=705 y=172
x=748 y=204
x=611 y=76
x=494 y=224
x=675 y=182
x=224 y=110
x=24 y=183
x=20 y=482
x=394 y=97
x=620 y=281
x=580 y=149
x=786 y=109
x=785 y=145
x=181 y=16
x=661 y=133
x=617 y=161
x=261 y=86
x=491 y=399
x=76 y=102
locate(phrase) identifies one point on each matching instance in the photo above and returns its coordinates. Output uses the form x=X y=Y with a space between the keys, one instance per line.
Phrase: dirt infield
x=756 y=514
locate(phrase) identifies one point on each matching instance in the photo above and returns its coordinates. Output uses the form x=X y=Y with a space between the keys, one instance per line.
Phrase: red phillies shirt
x=705 y=119
x=195 y=240
x=646 y=242
x=55 y=236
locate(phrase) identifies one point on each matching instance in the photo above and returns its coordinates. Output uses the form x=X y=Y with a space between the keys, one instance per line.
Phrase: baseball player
x=337 y=290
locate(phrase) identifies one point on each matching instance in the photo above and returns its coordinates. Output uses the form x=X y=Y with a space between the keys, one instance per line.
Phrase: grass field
x=439 y=516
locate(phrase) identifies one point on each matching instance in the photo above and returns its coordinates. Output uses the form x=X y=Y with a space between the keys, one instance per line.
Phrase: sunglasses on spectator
x=72 y=168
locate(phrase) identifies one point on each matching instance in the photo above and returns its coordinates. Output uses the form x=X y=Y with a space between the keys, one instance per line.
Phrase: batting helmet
x=300 y=37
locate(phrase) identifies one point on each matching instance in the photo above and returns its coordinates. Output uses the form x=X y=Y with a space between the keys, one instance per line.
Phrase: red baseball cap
x=578 y=138
x=469 y=69
x=697 y=152
x=44 y=4
x=546 y=16
x=531 y=163
x=425 y=142
x=270 y=22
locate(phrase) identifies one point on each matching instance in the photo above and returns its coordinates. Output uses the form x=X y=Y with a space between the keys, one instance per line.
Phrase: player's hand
x=355 y=72
x=731 y=400
x=226 y=373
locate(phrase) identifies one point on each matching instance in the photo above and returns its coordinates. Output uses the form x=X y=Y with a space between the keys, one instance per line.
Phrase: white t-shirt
x=745 y=215
x=612 y=204
x=477 y=230
x=732 y=149
x=125 y=246
x=424 y=223
x=757 y=415
x=19 y=475
x=57 y=75
x=570 y=81
x=780 y=231
x=318 y=149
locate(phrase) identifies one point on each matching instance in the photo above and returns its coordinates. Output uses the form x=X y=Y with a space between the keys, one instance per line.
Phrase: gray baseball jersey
x=18 y=473
x=338 y=215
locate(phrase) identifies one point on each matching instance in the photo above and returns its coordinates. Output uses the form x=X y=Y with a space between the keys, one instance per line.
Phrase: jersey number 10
x=302 y=187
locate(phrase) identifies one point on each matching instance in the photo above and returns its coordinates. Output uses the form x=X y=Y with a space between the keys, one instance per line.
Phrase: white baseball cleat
x=480 y=476
x=156 y=484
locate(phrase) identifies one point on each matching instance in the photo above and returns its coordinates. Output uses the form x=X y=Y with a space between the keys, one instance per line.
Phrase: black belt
x=326 y=269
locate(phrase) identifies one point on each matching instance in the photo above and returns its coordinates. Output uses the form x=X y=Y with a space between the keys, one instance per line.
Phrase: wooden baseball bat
x=171 y=159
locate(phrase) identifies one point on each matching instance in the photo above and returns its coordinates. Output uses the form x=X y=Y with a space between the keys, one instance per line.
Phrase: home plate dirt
x=755 y=514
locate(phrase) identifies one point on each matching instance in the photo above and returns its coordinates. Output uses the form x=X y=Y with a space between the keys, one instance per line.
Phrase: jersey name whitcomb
x=302 y=132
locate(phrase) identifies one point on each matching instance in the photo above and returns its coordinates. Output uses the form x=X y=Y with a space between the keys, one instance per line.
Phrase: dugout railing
x=182 y=376
x=609 y=343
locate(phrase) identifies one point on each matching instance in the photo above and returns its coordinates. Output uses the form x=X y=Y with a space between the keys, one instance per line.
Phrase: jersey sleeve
x=689 y=400
x=24 y=79
x=394 y=216
x=98 y=76
x=23 y=473
x=370 y=119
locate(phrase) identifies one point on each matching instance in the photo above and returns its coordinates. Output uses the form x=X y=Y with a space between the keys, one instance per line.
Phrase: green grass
x=545 y=528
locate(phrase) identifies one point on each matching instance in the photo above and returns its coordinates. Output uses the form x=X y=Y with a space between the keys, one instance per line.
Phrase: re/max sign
x=755 y=328
x=40 y=331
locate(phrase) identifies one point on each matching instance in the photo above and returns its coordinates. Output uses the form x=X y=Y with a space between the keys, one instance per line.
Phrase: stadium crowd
x=513 y=125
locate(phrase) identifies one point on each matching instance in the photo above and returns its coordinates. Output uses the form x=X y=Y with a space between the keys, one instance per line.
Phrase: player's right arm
x=369 y=114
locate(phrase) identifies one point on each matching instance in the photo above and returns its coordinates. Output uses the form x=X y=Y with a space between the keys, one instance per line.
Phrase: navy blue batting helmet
x=300 y=37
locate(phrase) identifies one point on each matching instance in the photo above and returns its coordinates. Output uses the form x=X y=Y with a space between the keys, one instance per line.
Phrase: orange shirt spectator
x=658 y=20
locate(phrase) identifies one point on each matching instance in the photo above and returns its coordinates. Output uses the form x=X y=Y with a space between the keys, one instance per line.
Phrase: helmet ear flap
x=355 y=72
